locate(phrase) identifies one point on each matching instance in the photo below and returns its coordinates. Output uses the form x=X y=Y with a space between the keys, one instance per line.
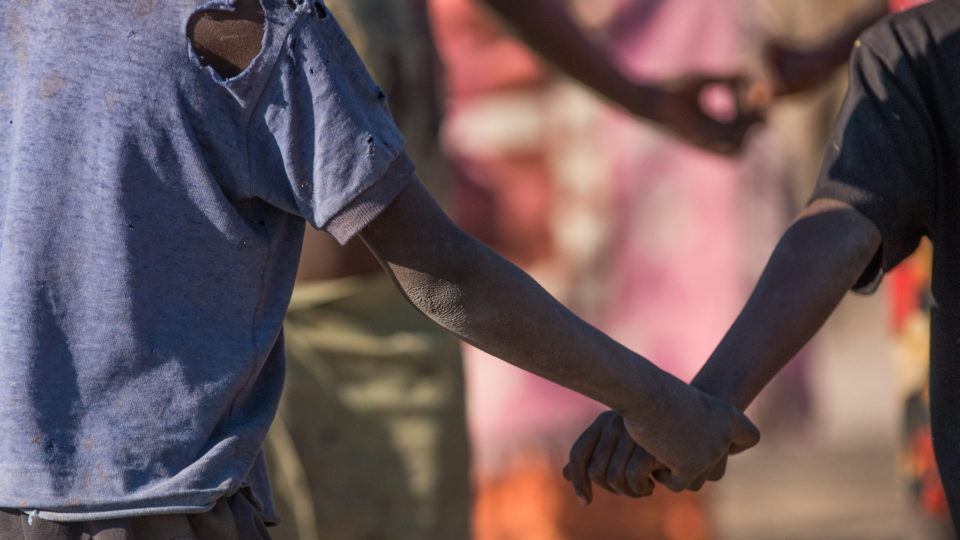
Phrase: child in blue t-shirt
x=151 y=216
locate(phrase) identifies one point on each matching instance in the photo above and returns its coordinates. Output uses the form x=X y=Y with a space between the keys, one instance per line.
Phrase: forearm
x=493 y=305
x=836 y=50
x=548 y=28
x=822 y=60
x=816 y=262
x=468 y=289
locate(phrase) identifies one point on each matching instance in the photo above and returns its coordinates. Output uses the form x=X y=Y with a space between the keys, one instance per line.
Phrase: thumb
x=745 y=434
x=672 y=481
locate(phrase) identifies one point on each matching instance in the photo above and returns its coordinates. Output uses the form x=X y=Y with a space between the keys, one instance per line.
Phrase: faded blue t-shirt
x=151 y=216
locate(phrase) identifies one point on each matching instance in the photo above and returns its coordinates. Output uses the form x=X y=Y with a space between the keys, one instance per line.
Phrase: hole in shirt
x=228 y=41
x=319 y=10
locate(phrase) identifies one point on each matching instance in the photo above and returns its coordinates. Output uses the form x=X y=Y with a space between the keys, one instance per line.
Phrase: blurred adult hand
x=680 y=108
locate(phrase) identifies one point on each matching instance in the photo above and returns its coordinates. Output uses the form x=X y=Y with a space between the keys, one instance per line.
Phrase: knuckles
x=596 y=474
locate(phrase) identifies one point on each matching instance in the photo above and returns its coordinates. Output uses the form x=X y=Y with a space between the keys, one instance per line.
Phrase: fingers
x=697 y=484
x=745 y=435
x=580 y=454
x=731 y=80
x=716 y=121
x=667 y=478
x=606 y=455
x=756 y=97
x=638 y=472
x=748 y=109
x=677 y=483
x=617 y=468
x=718 y=470
x=729 y=136
x=603 y=453
x=728 y=141
x=714 y=474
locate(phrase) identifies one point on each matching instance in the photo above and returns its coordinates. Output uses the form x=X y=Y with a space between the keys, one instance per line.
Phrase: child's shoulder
x=916 y=32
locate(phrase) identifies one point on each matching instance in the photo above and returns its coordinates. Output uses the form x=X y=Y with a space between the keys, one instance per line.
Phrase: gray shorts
x=232 y=518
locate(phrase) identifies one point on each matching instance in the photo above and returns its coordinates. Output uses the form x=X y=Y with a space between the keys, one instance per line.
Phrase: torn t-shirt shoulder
x=321 y=132
x=228 y=40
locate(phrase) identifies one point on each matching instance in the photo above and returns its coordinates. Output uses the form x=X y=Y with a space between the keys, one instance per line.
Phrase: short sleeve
x=321 y=136
x=881 y=158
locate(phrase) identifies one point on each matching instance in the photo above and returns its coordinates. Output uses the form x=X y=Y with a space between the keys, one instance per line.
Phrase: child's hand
x=691 y=433
x=691 y=442
x=606 y=455
x=683 y=108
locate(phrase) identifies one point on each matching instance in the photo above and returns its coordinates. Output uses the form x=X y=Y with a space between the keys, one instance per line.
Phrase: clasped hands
x=682 y=440
x=680 y=104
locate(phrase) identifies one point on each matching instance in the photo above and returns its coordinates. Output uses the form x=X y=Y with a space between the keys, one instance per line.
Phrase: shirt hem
x=71 y=517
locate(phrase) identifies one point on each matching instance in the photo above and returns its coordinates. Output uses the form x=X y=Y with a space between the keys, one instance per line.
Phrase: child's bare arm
x=470 y=290
x=817 y=261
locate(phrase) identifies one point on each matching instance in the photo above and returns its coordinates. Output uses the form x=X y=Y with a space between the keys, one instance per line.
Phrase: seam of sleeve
x=371 y=202
x=871 y=278
x=869 y=281
x=872 y=206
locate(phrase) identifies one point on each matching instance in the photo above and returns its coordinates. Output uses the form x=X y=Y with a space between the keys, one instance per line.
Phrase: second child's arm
x=817 y=261
x=876 y=197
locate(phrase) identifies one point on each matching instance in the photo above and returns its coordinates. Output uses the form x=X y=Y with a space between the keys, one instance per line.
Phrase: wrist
x=720 y=384
x=661 y=393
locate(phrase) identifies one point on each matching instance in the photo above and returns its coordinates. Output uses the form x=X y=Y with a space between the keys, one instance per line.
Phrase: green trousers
x=370 y=440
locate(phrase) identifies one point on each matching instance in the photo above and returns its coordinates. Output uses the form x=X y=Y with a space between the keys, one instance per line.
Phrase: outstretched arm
x=468 y=289
x=817 y=261
x=875 y=199
x=549 y=29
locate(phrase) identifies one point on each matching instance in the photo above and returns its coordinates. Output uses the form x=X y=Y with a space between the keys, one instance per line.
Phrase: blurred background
x=651 y=239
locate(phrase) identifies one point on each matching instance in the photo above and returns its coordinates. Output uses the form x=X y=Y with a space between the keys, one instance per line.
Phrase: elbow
x=443 y=302
x=440 y=282
x=832 y=236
